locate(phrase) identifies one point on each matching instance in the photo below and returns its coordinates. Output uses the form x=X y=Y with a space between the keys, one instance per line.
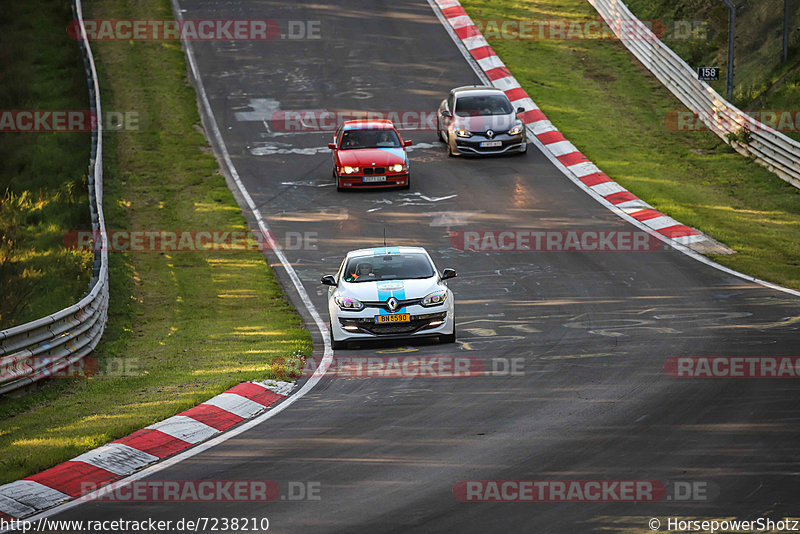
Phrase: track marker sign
x=708 y=74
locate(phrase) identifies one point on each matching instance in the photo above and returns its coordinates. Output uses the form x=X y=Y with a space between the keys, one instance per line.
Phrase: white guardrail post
x=54 y=344
x=779 y=153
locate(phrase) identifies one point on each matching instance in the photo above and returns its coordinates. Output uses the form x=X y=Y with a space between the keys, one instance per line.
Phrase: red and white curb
x=554 y=141
x=120 y=458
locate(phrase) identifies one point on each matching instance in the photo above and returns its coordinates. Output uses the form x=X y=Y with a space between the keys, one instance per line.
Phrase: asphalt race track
x=592 y=400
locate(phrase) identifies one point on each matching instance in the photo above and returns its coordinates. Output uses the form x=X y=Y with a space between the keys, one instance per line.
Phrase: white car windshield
x=374 y=138
x=388 y=267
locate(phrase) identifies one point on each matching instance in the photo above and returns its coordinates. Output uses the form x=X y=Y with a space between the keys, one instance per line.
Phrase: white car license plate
x=487 y=144
x=374 y=178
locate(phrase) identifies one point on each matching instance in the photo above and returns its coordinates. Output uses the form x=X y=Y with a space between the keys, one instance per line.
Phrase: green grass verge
x=614 y=111
x=43 y=187
x=183 y=326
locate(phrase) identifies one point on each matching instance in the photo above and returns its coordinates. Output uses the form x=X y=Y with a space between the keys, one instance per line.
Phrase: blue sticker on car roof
x=367 y=126
x=386 y=250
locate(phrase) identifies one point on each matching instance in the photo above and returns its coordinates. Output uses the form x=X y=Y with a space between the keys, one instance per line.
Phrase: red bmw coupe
x=369 y=153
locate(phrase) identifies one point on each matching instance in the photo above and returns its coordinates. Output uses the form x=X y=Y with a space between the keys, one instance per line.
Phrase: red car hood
x=367 y=157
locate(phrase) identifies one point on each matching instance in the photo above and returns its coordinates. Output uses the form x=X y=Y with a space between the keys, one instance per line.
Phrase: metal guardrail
x=55 y=343
x=779 y=153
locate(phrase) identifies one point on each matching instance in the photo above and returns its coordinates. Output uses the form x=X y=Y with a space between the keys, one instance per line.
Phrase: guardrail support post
x=731 y=28
x=785 y=30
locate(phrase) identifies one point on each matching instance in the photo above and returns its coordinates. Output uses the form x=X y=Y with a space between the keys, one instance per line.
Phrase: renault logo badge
x=489 y=133
x=392 y=303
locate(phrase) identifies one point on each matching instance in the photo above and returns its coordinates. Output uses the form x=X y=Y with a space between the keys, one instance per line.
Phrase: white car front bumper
x=362 y=323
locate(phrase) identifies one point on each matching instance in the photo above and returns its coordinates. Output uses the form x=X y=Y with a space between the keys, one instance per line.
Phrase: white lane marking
x=421 y=145
x=429 y=199
x=236 y=404
x=263 y=108
x=33 y=494
x=312 y=311
x=118 y=458
x=272 y=150
x=271 y=133
x=185 y=428
x=308 y=183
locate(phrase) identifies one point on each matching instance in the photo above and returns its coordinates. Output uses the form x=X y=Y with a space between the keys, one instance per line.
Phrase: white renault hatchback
x=390 y=293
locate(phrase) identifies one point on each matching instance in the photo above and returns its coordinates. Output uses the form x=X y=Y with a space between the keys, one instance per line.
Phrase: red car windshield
x=371 y=138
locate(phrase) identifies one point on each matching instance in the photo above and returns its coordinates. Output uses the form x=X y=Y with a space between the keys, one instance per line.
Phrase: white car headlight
x=348 y=170
x=462 y=132
x=516 y=129
x=348 y=303
x=437 y=298
x=397 y=168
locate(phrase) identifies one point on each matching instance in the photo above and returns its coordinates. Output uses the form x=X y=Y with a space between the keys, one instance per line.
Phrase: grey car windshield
x=374 y=138
x=388 y=267
x=483 y=105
